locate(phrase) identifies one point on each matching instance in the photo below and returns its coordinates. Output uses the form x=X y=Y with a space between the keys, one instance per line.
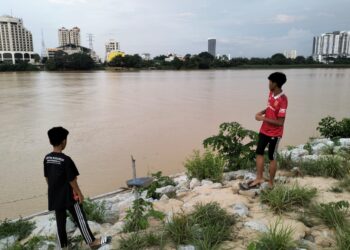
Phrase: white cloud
x=185 y=14
x=282 y=18
x=68 y=2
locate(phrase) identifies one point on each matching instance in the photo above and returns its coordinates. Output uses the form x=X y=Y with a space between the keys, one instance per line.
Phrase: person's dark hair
x=57 y=135
x=279 y=78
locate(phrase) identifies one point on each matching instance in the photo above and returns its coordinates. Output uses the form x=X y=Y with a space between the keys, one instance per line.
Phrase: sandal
x=247 y=186
x=103 y=241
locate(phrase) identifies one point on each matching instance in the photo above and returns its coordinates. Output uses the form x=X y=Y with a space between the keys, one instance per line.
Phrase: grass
x=206 y=166
x=284 y=198
x=336 y=189
x=345 y=183
x=158 y=181
x=136 y=241
x=206 y=227
x=285 y=162
x=343 y=238
x=326 y=167
x=20 y=228
x=333 y=214
x=278 y=237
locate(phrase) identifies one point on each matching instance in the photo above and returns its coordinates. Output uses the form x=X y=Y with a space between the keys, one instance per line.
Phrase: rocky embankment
x=253 y=217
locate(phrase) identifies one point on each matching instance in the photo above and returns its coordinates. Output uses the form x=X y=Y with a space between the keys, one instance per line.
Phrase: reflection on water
x=158 y=116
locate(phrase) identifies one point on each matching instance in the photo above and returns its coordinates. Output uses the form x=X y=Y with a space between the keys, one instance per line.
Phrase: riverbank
x=253 y=217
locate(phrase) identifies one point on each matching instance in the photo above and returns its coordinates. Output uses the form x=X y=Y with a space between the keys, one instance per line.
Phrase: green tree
x=279 y=59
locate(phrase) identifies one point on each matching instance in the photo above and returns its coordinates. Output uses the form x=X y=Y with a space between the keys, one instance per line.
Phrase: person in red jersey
x=271 y=130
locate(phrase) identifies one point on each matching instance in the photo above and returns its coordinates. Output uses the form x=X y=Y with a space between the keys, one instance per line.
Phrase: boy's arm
x=278 y=122
x=76 y=190
x=261 y=113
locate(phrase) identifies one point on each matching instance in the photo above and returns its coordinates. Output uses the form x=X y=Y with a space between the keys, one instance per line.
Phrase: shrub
x=333 y=214
x=283 y=198
x=207 y=166
x=137 y=217
x=278 y=237
x=327 y=166
x=21 y=228
x=235 y=144
x=158 y=181
x=206 y=227
x=141 y=241
x=330 y=127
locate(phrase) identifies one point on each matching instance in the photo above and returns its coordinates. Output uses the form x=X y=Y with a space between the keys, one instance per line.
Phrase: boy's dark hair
x=279 y=78
x=57 y=135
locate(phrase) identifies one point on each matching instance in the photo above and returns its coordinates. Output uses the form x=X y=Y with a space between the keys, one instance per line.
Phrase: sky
x=243 y=28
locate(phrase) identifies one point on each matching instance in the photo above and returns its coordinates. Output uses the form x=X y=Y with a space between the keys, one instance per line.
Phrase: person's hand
x=259 y=117
x=80 y=198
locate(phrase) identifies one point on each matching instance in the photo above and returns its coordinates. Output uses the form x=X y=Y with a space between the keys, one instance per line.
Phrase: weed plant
x=278 y=237
x=158 y=181
x=285 y=162
x=332 y=214
x=284 y=198
x=21 y=228
x=206 y=227
x=206 y=166
x=345 y=183
x=137 y=216
x=137 y=241
x=325 y=166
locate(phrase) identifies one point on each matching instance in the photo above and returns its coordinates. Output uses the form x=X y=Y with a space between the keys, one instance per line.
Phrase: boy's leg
x=61 y=216
x=80 y=219
x=273 y=146
x=263 y=140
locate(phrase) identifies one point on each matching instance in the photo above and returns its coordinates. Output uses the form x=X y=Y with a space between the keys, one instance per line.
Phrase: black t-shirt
x=60 y=170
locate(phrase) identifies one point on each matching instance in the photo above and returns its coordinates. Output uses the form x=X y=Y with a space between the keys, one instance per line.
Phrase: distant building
x=331 y=45
x=212 y=46
x=16 y=42
x=112 y=49
x=146 y=56
x=70 y=49
x=66 y=36
x=292 y=54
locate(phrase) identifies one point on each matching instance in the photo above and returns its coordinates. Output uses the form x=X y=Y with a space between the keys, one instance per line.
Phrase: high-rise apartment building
x=212 y=46
x=111 y=46
x=16 y=42
x=66 y=36
x=292 y=54
x=331 y=45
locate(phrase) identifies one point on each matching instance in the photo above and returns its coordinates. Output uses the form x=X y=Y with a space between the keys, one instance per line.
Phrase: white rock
x=164 y=198
x=344 y=142
x=206 y=182
x=297 y=153
x=249 y=176
x=105 y=247
x=186 y=247
x=317 y=149
x=320 y=140
x=8 y=242
x=216 y=185
x=194 y=183
x=70 y=226
x=310 y=157
x=181 y=179
x=45 y=225
x=116 y=228
x=256 y=225
x=166 y=190
x=240 y=209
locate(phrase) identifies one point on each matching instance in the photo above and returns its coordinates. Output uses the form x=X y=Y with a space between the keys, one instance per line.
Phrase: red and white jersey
x=276 y=108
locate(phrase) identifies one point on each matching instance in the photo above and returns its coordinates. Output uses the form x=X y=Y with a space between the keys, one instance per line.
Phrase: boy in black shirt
x=64 y=192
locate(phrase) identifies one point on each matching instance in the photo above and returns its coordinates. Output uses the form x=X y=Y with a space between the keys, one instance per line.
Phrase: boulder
x=317 y=149
x=251 y=193
x=256 y=225
x=240 y=209
x=297 y=153
x=180 y=180
x=249 y=176
x=216 y=185
x=344 y=142
x=8 y=242
x=194 y=183
x=45 y=225
x=206 y=182
x=166 y=190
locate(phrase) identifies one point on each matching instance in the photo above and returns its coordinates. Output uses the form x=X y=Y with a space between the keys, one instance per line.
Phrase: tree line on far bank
x=204 y=60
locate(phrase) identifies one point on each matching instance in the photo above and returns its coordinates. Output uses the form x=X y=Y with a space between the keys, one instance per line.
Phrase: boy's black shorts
x=273 y=145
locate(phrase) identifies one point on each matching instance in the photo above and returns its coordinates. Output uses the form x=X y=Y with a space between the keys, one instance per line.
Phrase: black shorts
x=273 y=145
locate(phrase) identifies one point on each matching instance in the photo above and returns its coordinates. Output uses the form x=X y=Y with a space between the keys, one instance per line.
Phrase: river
x=159 y=117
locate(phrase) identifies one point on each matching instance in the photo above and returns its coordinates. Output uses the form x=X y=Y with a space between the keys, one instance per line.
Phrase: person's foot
x=100 y=242
x=256 y=182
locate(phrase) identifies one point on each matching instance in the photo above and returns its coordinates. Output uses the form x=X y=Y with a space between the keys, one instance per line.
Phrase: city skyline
x=160 y=27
